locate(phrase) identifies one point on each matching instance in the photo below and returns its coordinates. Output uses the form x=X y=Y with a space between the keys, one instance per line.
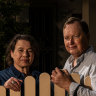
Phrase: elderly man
x=82 y=59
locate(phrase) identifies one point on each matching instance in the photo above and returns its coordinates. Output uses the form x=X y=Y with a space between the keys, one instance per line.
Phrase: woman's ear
x=11 y=52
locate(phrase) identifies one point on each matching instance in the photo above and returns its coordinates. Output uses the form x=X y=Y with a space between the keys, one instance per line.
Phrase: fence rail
x=44 y=87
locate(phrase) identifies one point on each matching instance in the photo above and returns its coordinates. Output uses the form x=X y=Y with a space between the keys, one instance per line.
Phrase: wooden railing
x=44 y=87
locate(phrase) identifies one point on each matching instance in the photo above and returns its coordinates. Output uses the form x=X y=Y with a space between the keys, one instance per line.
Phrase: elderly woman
x=21 y=54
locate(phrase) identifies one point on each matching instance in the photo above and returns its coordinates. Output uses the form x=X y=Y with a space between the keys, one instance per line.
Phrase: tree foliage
x=9 y=9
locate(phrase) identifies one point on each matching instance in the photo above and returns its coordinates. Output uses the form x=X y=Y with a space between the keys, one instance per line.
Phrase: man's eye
x=77 y=36
x=30 y=51
x=66 y=38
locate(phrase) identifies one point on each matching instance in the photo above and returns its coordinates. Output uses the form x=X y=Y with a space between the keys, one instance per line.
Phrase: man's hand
x=62 y=79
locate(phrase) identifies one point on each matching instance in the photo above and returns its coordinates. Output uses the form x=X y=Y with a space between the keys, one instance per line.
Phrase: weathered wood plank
x=30 y=86
x=44 y=81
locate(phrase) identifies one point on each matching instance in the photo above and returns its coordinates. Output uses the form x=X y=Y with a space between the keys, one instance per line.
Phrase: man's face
x=75 y=40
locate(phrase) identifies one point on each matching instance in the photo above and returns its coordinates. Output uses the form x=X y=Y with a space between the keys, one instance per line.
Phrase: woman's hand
x=62 y=79
x=13 y=83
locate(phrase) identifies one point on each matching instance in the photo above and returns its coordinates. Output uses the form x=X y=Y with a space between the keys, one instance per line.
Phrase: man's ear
x=88 y=36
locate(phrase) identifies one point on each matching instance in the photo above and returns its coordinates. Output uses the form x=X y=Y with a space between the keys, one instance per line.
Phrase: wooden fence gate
x=44 y=86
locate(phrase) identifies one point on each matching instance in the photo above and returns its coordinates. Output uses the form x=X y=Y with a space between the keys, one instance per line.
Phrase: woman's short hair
x=11 y=47
x=82 y=23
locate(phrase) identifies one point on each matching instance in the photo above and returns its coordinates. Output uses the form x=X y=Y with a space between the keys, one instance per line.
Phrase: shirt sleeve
x=82 y=91
x=73 y=88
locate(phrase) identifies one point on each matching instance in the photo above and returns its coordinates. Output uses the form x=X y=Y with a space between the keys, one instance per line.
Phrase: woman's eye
x=20 y=50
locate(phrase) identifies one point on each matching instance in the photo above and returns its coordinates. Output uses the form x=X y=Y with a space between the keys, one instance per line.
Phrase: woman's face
x=23 y=54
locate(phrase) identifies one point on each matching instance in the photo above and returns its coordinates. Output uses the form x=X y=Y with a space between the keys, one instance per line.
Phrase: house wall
x=47 y=18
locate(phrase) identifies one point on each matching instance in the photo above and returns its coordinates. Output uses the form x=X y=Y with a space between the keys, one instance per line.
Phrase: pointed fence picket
x=2 y=91
x=87 y=82
x=58 y=91
x=44 y=86
x=44 y=81
x=76 y=77
x=14 y=93
x=30 y=88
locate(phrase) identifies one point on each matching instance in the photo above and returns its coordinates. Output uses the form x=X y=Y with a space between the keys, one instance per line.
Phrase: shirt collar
x=81 y=58
x=16 y=72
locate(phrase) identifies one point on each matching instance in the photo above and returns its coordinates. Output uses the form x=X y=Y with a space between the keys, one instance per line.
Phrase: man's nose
x=71 y=40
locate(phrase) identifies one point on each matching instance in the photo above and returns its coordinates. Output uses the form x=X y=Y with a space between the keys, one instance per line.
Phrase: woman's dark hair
x=83 y=24
x=13 y=42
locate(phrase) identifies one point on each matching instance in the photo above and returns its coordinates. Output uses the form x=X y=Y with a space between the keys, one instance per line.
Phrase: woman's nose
x=25 y=53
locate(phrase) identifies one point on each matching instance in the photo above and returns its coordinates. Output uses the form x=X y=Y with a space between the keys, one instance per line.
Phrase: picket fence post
x=58 y=91
x=76 y=77
x=14 y=93
x=44 y=86
x=2 y=91
x=29 y=86
x=87 y=82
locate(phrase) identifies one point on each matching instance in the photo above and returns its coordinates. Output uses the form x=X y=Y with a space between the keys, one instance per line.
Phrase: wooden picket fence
x=44 y=87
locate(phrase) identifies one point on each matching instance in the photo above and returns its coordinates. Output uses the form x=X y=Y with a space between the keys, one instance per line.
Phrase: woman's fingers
x=13 y=83
x=17 y=82
x=15 y=86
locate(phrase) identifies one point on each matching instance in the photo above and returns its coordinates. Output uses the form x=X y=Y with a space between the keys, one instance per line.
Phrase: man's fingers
x=52 y=78
x=54 y=73
x=57 y=70
x=66 y=72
